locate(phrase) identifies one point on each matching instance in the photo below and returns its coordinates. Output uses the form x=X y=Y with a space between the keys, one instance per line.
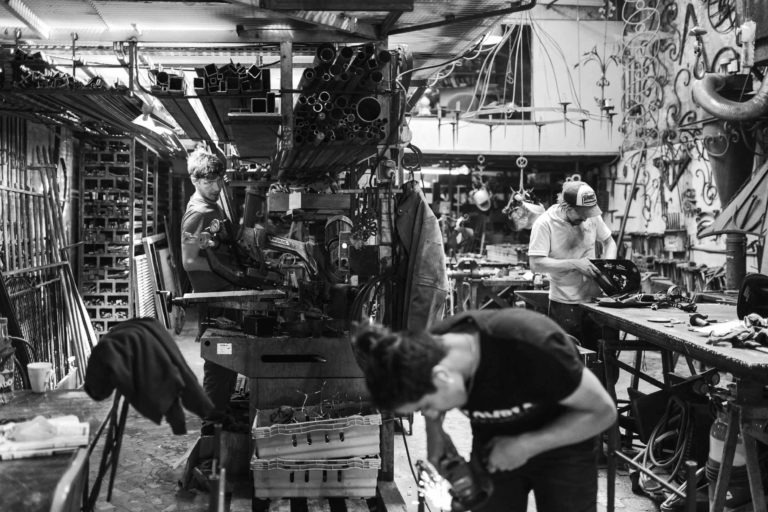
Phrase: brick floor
x=152 y=461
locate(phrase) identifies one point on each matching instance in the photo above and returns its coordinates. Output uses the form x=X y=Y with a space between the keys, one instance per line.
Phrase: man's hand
x=585 y=266
x=506 y=453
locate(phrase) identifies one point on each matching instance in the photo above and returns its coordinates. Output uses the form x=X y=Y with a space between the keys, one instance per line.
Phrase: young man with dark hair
x=562 y=242
x=533 y=407
x=207 y=174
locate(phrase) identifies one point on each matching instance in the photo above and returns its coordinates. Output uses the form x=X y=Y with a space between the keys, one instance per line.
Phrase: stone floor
x=152 y=461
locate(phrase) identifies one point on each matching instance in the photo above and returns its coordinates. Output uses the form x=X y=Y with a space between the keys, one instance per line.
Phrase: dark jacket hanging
x=141 y=360
x=422 y=260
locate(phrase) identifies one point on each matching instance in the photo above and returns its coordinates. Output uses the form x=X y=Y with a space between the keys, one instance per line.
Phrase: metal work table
x=28 y=484
x=475 y=291
x=742 y=363
x=537 y=300
x=749 y=407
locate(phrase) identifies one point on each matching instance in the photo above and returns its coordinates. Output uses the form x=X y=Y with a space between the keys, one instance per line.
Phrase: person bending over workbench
x=562 y=243
x=207 y=173
x=533 y=407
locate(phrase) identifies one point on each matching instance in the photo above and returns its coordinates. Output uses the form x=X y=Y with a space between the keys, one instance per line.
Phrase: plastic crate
x=505 y=253
x=282 y=478
x=351 y=436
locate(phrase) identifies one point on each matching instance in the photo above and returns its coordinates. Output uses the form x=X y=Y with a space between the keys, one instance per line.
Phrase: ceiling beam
x=338 y=5
x=519 y=5
x=337 y=22
x=22 y=11
x=257 y=33
x=389 y=22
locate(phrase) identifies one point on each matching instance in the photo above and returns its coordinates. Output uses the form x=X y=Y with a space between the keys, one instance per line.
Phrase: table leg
x=726 y=461
x=753 y=471
x=613 y=444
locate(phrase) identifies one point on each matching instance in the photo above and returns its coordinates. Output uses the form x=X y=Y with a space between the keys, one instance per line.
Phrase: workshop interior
x=384 y=162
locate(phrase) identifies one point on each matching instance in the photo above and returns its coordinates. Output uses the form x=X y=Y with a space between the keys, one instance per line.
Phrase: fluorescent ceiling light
x=29 y=18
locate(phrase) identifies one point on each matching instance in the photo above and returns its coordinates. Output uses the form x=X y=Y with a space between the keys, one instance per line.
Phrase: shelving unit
x=119 y=206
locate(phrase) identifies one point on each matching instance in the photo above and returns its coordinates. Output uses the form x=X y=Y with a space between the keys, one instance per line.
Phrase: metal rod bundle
x=342 y=102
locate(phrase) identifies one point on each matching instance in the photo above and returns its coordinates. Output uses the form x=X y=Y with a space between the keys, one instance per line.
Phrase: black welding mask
x=617 y=277
x=753 y=296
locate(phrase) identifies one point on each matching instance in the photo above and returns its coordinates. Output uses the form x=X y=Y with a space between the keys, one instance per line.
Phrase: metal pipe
x=326 y=53
x=735 y=260
x=308 y=79
x=706 y=95
x=368 y=109
x=341 y=102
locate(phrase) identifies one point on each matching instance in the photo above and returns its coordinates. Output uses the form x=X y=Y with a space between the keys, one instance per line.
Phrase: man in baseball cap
x=562 y=242
x=582 y=198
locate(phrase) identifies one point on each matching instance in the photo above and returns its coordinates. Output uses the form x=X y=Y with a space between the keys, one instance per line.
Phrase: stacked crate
x=315 y=458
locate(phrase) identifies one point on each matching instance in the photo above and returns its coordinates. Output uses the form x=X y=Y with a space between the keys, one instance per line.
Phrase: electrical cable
x=675 y=424
x=410 y=460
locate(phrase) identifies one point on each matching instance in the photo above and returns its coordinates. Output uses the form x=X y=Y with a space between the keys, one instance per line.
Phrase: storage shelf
x=118 y=207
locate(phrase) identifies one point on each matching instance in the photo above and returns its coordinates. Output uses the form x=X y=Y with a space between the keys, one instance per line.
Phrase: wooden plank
x=318 y=504
x=389 y=498
x=356 y=505
x=283 y=505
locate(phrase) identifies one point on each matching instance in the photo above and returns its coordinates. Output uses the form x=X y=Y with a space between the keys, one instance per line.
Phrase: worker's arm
x=192 y=257
x=589 y=411
x=540 y=246
x=545 y=264
x=439 y=443
x=610 y=250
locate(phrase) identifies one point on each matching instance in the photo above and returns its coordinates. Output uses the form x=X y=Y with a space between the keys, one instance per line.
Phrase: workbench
x=475 y=290
x=293 y=371
x=749 y=367
x=537 y=300
x=28 y=484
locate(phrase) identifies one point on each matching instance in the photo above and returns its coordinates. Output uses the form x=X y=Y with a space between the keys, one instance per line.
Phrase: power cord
x=408 y=456
x=675 y=426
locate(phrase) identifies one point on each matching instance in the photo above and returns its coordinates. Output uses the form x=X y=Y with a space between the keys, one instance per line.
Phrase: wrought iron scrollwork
x=722 y=15
x=708 y=188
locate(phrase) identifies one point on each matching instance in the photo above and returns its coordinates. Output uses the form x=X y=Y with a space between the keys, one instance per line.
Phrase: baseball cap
x=582 y=197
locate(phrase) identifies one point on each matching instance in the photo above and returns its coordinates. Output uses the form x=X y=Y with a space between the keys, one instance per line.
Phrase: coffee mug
x=40 y=375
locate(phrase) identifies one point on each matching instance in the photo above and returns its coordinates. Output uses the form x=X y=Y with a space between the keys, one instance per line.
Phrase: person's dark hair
x=397 y=365
x=202 y=164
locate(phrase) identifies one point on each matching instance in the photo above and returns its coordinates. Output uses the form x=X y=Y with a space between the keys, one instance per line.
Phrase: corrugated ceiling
x=188 y=23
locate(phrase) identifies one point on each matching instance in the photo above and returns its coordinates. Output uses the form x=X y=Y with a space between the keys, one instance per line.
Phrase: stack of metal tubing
x=33 y=71
x=342 y=101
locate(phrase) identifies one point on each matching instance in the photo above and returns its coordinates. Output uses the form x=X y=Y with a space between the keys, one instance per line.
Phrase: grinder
x=470 y=484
